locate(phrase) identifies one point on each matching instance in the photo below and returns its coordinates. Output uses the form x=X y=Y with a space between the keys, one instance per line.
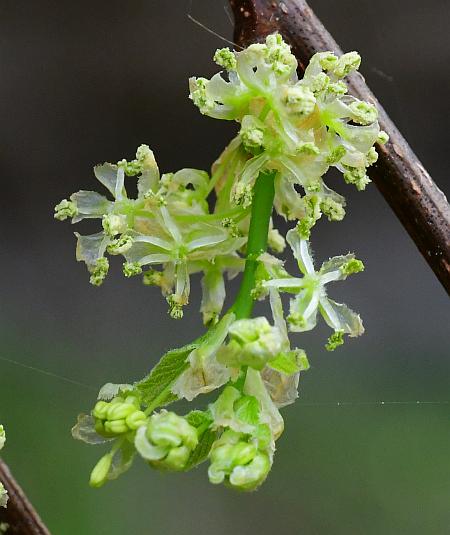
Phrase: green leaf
x=290 y=362
x=155 y=388
x=203 y=448
x=247 y=409
x=198 y=418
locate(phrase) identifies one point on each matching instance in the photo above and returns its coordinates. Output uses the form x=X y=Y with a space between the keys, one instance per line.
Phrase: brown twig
x=20 y=514
x=399 y=175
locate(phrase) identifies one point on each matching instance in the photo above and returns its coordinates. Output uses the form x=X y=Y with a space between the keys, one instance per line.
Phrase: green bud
x=167 y=442
x=337 y=88
x=319 y=83
x=119 y=411
x=332 y=209
x=114 y=224
x=243 y=195
x=99 y=474
x=100 y=410
x=198 y=94
x=336 y=155
x=130 y=269
x=115 y=427
x=300 y=99
x=346 y=64
x=252 y=343
x=335 y=340
x=225 y=58
x=308 y=148
x=152 y=277
x=120 y=245
x=99 y=271
x=136 y=419
x=371 y=156
x=327 y=60
x=175 y=307
x=250 y=476
x=238 y=462
x=65 y=209
x=356 y=176
x=352 y=266
x=363 y=112
x=304 y=227
x=383 y=138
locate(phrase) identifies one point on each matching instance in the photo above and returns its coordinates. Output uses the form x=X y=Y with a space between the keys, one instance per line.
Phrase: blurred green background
x=85 y=82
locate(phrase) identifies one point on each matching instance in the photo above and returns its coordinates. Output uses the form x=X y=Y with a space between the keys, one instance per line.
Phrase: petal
x=303 y=311
x=301 y=251
x=91 y=248
x=341 y=318
x=90 y=204
x=109 y=176
x=84 y=430
x=146 y=450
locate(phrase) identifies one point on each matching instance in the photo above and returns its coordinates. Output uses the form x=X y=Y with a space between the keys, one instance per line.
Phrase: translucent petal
x=254 y=386
x=341 y=318
x=111 y=390
x=90 y=204
x=91 y=248
x=213 y=294
x=301 y=251
x=276 y=306
x=149 y=178
x=106 y=173
x=361 y=137
x=85 y=430
x=122 y=460
x=303 y=311
x=331 y=269
x=283 y=389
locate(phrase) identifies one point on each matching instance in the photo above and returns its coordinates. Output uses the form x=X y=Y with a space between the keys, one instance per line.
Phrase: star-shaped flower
x=310 y=294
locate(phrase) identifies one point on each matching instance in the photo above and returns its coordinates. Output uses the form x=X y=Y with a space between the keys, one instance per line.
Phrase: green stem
x=262 y=204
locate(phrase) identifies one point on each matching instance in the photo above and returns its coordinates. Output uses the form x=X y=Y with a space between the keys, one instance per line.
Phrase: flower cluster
x=3 y=491
x=299 y=128
x=167 y=225
x=292 y=131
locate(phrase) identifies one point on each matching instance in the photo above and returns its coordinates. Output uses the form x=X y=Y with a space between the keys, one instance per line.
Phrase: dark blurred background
x=84 y=82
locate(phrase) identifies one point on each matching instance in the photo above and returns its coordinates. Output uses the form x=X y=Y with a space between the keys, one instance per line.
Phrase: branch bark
x=20 y=514
x=401 y=178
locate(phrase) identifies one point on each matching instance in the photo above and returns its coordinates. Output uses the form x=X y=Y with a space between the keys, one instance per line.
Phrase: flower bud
x=99 y=271
x=116 y=427
x=300 y=99
x=99 y=474
x=167 y=441
x=120 y=245
x=238 y=462
x=114 y=224
x=253 y=342
x=65 y=209
x=225 y=58
x=131 y=269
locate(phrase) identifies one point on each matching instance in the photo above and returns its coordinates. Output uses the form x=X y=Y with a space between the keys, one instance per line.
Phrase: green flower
x=237 y=461
x=297 y=127
x=253 y=342
x=310 y=296
x=167 y=441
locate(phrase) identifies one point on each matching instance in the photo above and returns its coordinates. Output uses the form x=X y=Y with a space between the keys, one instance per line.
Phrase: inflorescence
x=291 y=133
